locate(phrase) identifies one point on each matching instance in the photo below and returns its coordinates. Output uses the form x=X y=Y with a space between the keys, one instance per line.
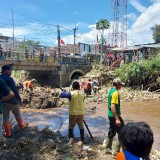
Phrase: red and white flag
x=62 y=42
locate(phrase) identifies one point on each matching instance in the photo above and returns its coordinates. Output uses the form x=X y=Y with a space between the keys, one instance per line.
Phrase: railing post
x=17 y=56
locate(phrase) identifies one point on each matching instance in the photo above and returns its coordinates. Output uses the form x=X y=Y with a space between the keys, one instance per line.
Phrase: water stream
x=57 y=118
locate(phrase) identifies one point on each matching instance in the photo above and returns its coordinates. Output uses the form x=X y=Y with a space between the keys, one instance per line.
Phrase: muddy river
x=57 y=118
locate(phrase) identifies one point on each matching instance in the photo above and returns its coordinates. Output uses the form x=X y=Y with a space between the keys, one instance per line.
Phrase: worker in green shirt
x=114 y=115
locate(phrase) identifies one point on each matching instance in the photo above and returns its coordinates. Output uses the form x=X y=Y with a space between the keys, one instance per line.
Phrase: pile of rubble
x=32 y=144
x=42 y=97
x=47 y=97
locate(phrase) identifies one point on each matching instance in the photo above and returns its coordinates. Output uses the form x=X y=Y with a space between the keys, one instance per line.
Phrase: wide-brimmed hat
x=118 y=81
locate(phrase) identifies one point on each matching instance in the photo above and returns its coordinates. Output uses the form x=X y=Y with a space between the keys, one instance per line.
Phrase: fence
x=41 y=58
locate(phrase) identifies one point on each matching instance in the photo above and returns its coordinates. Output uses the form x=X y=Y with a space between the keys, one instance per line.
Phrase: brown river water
x=57 y=118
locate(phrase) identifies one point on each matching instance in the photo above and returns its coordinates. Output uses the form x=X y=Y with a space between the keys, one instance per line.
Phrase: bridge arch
x=76 y=74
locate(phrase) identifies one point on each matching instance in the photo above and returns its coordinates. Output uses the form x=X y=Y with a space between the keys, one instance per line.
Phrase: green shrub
x=140 y=73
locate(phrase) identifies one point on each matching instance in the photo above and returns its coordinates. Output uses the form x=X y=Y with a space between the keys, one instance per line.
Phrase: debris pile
x=31 y=143
x=47 y=97
x=42 y=97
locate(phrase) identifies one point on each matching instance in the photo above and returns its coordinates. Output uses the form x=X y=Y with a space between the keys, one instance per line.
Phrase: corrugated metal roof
x=136 y=47
x=125 y=49
x=152 y=45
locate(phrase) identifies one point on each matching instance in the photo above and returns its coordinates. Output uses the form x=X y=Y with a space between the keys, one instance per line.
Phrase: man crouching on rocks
x=76 y=111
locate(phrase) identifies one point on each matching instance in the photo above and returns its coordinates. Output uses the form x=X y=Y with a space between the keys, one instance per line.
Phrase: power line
x=74 y=31
x=35 y=30
x=13 y=27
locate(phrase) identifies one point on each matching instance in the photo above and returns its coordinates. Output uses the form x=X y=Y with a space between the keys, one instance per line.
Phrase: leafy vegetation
x=24 y=44
x=145 y=72
x=156 y=33
x=102 y=25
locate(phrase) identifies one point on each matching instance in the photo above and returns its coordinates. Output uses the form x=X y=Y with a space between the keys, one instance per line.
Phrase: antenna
x=118 y=33
x=74 y=31
x=13 y=27
x=58 y=39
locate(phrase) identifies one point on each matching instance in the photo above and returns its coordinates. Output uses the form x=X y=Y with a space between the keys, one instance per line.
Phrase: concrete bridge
x=61 y=71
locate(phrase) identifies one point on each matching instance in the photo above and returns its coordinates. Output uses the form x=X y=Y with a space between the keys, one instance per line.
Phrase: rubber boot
x=116 y=148
x=80 y=143
x=21 y=124
x=70 y=136
x=7 y=129
x=107 y=144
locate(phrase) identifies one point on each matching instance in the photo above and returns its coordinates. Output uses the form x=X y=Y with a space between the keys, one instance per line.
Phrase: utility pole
x=74 y=31
x=13 y=27
x=58 y=39
x=101 y=46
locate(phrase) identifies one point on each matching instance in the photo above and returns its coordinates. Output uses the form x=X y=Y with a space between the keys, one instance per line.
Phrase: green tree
x=102 y=25
x=24 y=44
x=156 y=33
x=145 y=72
x=19 y=51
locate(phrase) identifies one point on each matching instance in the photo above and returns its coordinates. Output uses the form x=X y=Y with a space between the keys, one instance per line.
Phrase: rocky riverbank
x=32 y=144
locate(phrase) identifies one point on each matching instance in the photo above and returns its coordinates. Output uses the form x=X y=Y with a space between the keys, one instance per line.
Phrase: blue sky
x=37 y=19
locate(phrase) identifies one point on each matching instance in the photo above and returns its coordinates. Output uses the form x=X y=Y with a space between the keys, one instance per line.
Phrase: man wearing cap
x=114 y=115
x=13 y=104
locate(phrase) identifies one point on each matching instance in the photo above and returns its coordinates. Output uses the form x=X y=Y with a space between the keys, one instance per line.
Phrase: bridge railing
x=49 y=59
x=75 y=60
x=30 y=57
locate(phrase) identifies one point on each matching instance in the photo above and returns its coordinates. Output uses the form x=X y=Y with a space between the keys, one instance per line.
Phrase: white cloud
x=132 y=16
x=148 y=18
x=138 y=6
x=17 y=32
x=154 y=1
x=141 y=31
x=89 y=38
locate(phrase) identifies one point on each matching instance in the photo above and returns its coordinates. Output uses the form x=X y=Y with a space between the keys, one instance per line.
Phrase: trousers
x=7 y=108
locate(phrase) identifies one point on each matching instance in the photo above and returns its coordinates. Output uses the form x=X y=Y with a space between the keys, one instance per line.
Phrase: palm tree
x=102 y=25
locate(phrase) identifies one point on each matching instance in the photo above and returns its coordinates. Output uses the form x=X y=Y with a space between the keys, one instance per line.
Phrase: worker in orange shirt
x=28 y=85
